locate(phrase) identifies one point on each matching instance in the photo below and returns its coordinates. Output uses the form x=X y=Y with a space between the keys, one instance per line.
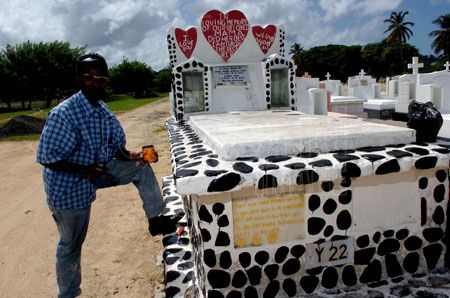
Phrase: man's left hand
x=137 y=157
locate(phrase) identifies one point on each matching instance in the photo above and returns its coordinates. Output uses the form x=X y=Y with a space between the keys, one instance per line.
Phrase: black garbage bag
x=425 y=119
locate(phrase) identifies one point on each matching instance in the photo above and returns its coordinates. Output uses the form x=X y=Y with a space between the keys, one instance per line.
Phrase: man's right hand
x=96 y=170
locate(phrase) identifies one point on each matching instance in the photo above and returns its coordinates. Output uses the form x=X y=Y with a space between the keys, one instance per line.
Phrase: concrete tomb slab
x=348 y=105
x=266 y=133
x=444 y=132
x=380 y=108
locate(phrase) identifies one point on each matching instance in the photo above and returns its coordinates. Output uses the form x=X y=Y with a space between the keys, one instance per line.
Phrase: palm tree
x=441 y=42
x=398 y=29
x=296 y=50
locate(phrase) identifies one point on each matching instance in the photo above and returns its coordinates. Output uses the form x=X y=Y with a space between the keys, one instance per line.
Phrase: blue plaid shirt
x=79 y=133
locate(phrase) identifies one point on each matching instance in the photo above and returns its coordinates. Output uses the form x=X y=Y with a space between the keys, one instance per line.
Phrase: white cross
x=447 y=66
x=328 y=76
x=415 y=65
x=361 y=73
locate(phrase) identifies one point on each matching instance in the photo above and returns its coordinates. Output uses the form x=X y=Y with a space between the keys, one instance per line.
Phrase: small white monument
x=360 y=86
x=375 y=103
x=422 y=87
x=311 y=99
x=404 y=89
x=334 y=87
x=435 y=87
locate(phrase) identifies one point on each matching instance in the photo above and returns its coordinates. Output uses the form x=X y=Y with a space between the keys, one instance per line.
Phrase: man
x=82 y=148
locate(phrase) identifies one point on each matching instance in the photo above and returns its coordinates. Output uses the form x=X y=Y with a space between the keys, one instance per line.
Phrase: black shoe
x=163 y=224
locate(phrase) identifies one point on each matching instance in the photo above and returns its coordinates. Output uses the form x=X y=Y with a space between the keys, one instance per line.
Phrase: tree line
x=45 y=72
x=381 y=59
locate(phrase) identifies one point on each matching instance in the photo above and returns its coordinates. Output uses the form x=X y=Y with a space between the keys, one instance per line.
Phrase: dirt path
x=118 y=255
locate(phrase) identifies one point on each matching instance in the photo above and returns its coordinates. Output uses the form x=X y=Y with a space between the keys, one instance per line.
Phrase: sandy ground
x=119 y=256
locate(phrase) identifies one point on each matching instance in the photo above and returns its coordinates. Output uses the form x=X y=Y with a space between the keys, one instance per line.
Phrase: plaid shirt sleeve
x=120 y=136
x=58 y=140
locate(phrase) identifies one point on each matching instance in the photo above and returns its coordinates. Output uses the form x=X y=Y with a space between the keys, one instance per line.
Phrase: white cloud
x=137 y=29
x=339 y=8
x=27 y=20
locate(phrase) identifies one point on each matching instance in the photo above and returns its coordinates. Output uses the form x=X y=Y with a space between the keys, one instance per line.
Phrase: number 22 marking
x=335 y=250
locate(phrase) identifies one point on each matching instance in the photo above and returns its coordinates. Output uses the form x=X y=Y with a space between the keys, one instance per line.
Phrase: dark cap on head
x=89 y=61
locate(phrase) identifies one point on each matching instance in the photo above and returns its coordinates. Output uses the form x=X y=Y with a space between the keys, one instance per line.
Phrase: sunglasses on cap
x=98 y=79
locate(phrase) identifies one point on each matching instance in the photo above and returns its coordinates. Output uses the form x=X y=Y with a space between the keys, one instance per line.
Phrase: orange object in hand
x=149 y=154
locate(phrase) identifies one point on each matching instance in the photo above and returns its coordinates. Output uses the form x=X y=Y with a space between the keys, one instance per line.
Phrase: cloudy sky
x=137 y=29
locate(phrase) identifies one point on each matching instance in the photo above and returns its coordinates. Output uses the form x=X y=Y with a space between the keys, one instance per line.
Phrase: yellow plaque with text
x=260 y=220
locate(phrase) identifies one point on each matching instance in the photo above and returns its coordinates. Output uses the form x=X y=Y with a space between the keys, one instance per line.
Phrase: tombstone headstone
x=447 y=66
x=227 y=64
x=415 y=65
x=311 y=99
x=334 y=87
x=361 y=74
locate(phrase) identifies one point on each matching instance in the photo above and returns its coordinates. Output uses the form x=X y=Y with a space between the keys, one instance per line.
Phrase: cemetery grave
x=280 y=202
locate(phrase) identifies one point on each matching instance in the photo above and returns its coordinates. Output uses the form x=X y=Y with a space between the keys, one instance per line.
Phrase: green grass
x=30 y=137
x=125 y=102
x=122 y=104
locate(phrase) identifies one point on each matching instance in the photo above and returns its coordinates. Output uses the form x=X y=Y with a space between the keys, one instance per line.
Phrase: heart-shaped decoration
x=187 y=40
x=264 y=36
x=225 y=32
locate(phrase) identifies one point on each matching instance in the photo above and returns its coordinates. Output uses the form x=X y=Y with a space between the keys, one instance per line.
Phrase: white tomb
x=360 y=86
x=422 y=87
x=311 y=99
x=350 y=105
x=375 y=104
x=405 y=88
x=435 y=87
x=334 y=87
x=283 y=204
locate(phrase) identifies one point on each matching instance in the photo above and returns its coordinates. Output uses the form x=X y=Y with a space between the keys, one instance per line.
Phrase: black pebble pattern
x=277 y=61
x=190 y=65
x=224 y=183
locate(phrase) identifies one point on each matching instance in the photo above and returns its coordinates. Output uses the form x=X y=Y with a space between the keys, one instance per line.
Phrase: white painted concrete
x=266 y=133
x=304 y=102
x=384 y=202
x=380 y=104
x=347 y=105
x=444 y=132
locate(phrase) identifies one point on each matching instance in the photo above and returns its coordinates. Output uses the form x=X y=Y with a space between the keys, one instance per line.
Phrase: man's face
x=93 y=83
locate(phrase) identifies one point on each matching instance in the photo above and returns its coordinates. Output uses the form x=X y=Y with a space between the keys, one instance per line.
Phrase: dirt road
x=118 y=255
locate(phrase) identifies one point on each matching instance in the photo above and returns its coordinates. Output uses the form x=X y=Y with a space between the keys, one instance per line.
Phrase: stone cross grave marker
x=328 y=76
x=415 y=65
x=361 y=73
x=447 y=66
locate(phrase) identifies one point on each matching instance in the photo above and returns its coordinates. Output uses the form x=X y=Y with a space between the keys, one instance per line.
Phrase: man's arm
x=92 y=171
x=124 y=154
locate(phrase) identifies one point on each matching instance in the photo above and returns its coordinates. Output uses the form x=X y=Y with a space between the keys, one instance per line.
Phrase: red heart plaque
x=264 y=36
x=225 y=32
x=186 y=40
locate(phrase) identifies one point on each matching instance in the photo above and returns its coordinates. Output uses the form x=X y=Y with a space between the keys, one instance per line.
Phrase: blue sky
x=137 y=29
x=422 y=13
